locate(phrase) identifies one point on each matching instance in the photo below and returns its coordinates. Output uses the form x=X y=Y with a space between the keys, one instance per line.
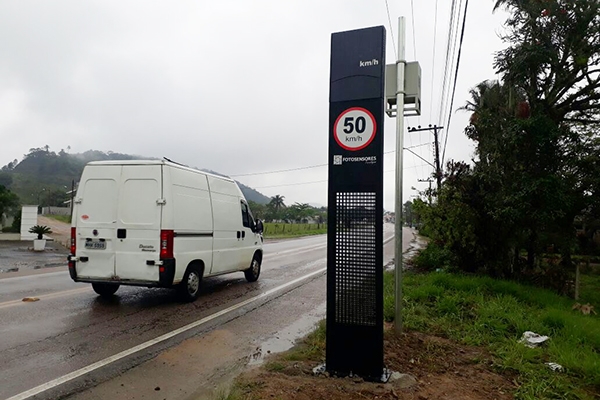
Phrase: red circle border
x=340 y=117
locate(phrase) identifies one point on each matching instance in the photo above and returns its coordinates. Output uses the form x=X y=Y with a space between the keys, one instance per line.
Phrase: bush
x=433 y=257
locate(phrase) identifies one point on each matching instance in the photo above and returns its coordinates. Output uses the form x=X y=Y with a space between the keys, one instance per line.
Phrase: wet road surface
x=70 y=327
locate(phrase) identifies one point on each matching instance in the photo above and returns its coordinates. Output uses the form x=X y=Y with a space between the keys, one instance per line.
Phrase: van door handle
x=243 y=234
x=121 y=233
x=239 y=234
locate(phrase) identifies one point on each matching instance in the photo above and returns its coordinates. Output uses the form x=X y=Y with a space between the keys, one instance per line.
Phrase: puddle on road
x=415 y=246
x=287 y=337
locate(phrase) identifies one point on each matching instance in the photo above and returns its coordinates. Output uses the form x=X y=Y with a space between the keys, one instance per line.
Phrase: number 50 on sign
x=355 y=128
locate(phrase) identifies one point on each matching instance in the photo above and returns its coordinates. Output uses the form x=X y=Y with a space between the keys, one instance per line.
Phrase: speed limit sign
x=355 y=128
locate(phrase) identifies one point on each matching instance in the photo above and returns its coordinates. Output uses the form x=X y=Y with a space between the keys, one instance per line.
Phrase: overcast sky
x=234 y=86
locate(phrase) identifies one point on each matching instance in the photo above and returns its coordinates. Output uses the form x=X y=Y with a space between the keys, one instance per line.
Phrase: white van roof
x=158 y=162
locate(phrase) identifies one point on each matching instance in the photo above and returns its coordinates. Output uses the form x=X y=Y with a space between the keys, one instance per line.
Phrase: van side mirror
x=258 y=226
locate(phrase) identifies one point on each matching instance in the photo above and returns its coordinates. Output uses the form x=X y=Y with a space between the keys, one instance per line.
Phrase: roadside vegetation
x=281 y=230
x=481 y=311
x=475 y=312
x=528 y=207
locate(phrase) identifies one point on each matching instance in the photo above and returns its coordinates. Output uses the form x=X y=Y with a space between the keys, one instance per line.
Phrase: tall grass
x=486 y=312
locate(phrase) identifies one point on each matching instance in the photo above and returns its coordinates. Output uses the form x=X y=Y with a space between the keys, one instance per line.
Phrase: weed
x=494 y=313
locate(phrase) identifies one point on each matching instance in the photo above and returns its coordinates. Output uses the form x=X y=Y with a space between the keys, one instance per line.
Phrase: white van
x=156 y=223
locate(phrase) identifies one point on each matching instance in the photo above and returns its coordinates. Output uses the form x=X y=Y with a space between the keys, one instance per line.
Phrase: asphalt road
x=70 y=328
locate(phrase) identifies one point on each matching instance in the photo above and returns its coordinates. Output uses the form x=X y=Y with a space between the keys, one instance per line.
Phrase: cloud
x=234 y=86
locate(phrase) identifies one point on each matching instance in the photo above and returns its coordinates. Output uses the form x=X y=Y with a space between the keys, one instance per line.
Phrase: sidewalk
x=17 y=256
x=61 y=232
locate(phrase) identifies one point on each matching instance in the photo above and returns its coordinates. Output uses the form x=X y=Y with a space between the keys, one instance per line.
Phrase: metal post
x=400 y=64
x=72 y=196
x=438 y=170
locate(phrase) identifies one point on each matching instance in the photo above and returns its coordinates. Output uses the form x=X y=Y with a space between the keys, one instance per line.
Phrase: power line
x=418 y=145
x=278 y=171
x=321 y=181
x=462 y=36
x=387 y=7
x=433 y=57
x=290 y=169
x=453 y=29
x=447 y=63
x=412 y=10
x=290 y=184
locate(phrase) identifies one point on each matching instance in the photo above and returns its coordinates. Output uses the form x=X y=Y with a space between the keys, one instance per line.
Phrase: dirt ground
x=443 y=370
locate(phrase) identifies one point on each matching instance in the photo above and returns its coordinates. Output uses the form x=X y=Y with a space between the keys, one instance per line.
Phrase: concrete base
x=10 y=236
x=39 y=244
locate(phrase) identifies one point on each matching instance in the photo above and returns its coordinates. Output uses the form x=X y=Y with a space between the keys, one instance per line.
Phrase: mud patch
x=443 y=370
x=286 y=338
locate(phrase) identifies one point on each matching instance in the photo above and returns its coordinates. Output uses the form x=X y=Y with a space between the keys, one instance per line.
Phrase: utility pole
x=435 y=129
x=400 y=65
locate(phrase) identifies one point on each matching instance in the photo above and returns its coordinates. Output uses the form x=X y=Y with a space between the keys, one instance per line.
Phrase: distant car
x=160 y=224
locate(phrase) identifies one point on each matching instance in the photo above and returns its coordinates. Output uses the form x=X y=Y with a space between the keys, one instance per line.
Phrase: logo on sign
x=355 y=129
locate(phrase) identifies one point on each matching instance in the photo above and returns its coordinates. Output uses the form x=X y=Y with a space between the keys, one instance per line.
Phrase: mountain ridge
x=44 y=177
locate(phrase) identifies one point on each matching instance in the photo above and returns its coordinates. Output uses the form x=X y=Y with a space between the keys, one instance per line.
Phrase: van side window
x=245 y=215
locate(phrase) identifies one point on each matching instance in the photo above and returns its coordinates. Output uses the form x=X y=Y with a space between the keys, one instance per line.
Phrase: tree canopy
x=537 y=165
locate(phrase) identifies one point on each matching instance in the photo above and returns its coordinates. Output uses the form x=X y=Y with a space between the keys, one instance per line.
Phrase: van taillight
x=166 y=244
x=73 y=241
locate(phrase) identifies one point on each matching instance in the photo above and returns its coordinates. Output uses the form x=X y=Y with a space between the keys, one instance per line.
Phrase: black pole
x=438 y=171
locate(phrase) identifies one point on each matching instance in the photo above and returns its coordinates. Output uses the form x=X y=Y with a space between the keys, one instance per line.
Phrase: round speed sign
x=355 y=128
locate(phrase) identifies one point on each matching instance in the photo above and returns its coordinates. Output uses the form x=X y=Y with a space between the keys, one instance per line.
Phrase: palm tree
x=277 y=202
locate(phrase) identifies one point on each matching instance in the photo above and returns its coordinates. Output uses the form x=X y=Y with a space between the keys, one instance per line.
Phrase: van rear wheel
x=189 y=288
x=105 y=289
x=253 y=272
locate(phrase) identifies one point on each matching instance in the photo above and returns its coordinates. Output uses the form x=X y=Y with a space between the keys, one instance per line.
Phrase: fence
x=56 y=211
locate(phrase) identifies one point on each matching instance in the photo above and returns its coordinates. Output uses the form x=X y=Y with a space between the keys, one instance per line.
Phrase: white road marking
x=109 y=360
x=42 y=274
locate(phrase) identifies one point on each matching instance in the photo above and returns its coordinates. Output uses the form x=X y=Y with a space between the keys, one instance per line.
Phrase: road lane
x=63 y=333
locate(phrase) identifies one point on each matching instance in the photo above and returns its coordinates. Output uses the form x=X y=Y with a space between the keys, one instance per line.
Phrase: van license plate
x=95 y=244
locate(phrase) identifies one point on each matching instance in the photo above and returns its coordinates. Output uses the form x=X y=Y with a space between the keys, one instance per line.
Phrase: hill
x=43 y=176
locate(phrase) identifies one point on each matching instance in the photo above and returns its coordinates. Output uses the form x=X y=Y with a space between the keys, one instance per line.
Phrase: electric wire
x=447 y=62
x=387 y=7
x=412 y=11
x=433 y=57
x=454 y=28
x=290 y=169
x=462 y=36
x=314 y=182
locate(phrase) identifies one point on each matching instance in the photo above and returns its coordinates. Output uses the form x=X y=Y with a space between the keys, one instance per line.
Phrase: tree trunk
x=516 y=263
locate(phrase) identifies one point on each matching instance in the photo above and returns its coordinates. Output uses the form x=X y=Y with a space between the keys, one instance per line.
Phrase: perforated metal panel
x=355 y=259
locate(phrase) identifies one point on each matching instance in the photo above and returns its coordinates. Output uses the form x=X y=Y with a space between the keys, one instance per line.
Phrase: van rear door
x=138 y=223
x=95 y=220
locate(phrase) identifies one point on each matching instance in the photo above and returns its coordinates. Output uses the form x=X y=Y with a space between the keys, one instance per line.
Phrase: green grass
x=311 y=347
x=589 y=290
x=280 y=230
x=274 y=366
x=485 y=312
x=61 y=218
